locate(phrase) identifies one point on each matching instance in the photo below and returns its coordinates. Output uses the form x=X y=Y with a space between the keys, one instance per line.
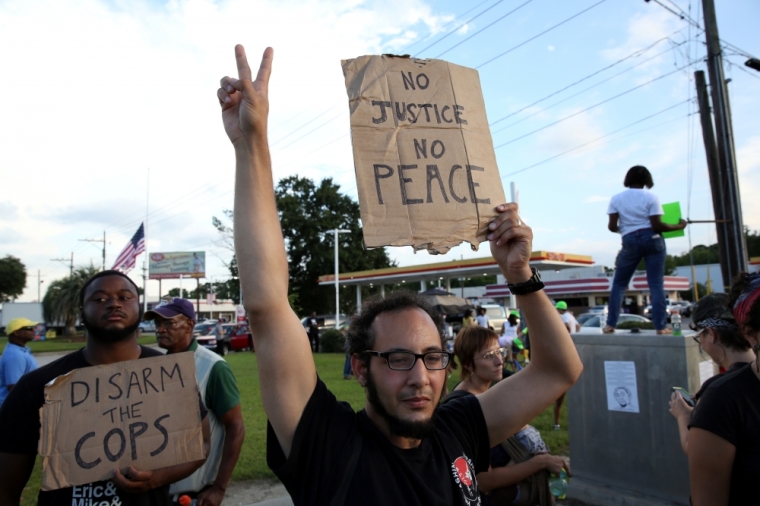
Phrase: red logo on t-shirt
x=463 y=471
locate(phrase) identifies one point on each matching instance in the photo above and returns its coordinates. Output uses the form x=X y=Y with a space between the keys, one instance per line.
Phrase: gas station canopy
x=541 y=260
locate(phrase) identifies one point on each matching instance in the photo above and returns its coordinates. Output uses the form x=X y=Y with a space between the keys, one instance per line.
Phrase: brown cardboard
x=426 y=170
x=150 y=404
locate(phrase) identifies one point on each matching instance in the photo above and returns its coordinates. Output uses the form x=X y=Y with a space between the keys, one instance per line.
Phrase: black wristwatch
x=534 y=284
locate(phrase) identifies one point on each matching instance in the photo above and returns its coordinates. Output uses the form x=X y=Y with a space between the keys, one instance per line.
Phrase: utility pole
x=66 y=260
x=335 y=232
x=39 y=282
x=714 y=171
x=735 y=243
x=103 y=240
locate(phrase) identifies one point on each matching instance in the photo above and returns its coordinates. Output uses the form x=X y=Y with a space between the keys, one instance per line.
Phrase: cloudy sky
x=100 y=97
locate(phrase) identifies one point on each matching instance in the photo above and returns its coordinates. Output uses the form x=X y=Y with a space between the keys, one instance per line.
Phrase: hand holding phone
x=685 y=395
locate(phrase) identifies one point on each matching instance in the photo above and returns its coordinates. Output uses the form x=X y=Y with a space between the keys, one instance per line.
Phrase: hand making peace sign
x=245 y=103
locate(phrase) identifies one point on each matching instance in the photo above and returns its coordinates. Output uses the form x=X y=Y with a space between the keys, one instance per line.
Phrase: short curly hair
x=360 y=334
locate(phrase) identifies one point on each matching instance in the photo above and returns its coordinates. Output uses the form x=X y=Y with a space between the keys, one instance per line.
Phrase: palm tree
x=61 y=301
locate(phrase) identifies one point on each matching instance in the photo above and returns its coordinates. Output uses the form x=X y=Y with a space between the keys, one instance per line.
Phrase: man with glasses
x=402 y=448
x=175 y=320
x=16 y=359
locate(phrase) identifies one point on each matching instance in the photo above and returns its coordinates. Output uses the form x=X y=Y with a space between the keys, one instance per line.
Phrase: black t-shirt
x=440 y=471
x=730 y=409
x=20 y=431
x=732 y=368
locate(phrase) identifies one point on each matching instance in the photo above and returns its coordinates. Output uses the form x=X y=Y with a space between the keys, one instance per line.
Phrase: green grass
x=252 y=462
x=67 y=344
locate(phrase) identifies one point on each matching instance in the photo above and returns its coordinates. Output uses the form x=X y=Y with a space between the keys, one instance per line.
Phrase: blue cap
x=172 y=308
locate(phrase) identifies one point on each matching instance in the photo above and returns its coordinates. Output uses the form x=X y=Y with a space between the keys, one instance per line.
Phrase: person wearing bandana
x=720 y=338
x=724 y=440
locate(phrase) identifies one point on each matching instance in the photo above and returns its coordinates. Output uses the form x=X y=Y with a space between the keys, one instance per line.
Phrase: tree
x=61 y=301
x=12 y=278
x=308 y=214
x=174 y=292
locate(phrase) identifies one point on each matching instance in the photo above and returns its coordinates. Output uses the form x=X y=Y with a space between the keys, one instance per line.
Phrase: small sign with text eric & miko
x=426 y=170
x=143 y=413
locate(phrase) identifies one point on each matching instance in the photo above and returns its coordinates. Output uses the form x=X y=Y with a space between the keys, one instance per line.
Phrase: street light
x=337 y=231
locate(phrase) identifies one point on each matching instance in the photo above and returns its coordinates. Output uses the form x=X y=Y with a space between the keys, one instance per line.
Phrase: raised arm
x=286 y=367
x=554 y=362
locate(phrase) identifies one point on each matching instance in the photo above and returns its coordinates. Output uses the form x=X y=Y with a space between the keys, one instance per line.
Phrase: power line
x=485 y=27
x=460 y=26
x=593 y=106
x=573 y=95
x=540 y=34
x=431 y=35
x=604 y=136
x=685 y=17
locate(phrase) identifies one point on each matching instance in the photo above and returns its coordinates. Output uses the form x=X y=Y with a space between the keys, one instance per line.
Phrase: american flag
x=126 y=259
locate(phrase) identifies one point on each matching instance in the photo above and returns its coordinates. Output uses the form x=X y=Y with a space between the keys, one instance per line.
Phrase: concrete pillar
x=423 y=285
x=591 y=301
x=382 y=291
x=358 y=299
x=448 y=284
x=613 y=448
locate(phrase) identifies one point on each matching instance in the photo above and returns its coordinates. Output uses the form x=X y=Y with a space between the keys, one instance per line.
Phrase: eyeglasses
x=30 y=329
x=696 y=337
x=500 y=353
x=405 y=360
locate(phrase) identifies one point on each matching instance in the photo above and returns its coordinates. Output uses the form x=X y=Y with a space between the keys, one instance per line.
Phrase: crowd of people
x=413 y=442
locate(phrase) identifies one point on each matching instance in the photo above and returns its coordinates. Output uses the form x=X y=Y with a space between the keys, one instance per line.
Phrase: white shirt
x=508 y=334
x=570 y=320
x=634 y=207
x=482 y=320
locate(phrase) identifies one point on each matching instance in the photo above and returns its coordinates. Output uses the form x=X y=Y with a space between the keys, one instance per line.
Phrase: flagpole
x=145 y=258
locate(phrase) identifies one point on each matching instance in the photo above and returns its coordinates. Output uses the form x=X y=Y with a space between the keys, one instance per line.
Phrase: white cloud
x=105 y=91
x=550 y=48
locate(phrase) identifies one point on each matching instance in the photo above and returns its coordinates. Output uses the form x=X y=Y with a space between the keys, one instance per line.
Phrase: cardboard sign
x=426 y=170
x=143 y=413
x=672 y=216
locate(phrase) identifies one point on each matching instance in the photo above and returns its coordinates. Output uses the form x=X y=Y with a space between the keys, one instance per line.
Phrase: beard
x=396 y=426
x=105 y=336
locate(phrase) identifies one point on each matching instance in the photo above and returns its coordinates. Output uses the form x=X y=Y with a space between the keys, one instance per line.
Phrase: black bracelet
x=534 y=284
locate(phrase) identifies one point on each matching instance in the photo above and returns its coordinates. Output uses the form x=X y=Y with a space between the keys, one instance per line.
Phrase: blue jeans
x=650 y=246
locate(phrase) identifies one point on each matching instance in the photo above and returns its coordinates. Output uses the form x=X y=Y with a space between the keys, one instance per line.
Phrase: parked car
x=598 y=309
x=147 y=326
x=324 y=321
x=497 y=315
x=202 y=334
x=596 y=320
x=671 y=306
x=237 y=336
x=584 y=317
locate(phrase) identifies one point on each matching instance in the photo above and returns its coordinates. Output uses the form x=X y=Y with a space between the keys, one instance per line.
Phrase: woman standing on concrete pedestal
x=637 y=215
x=724 y=441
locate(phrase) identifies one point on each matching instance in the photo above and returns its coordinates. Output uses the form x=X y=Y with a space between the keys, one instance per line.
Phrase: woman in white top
x=637 y=215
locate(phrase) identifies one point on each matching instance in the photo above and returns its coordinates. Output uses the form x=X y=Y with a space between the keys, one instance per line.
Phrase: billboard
x=188 y=264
